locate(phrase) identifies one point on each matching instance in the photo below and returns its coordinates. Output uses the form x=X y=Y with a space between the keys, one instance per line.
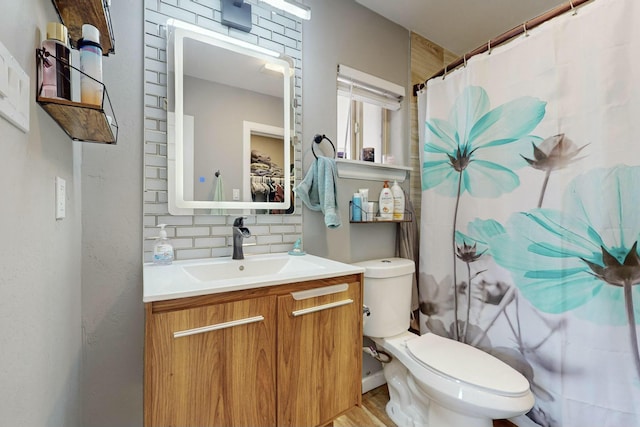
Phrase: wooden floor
x=372 y=412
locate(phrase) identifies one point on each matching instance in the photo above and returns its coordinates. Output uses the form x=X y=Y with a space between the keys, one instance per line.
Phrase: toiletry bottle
x=398 y=201
x=162 y=250
x=74 y=60
x=364 y=202
x=356 y=207
x=90 y=65
x=55 y=73
x=385 y=203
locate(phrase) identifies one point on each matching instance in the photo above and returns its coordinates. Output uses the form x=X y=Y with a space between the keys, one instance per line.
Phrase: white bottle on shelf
x=385 y=203
x=91 y=65
x=398 y=202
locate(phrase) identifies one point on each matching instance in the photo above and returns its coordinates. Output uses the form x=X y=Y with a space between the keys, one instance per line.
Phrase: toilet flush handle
x=366 y=311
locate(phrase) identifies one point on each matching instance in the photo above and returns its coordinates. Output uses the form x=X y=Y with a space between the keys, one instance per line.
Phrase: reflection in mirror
x=229 y=126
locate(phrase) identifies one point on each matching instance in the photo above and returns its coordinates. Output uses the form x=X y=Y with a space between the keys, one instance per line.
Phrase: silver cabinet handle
x=218 y=326
x=304 y=311
x=319 y=292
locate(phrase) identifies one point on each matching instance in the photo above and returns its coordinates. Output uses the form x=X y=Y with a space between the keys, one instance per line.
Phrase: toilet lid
x=468 y=364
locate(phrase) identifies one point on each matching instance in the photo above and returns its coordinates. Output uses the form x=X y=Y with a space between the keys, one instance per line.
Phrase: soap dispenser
x=162 y=249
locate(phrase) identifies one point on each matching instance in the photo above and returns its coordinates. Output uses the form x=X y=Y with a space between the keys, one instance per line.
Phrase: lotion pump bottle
x=398 y=201
x=386 y=203
x=163 y=249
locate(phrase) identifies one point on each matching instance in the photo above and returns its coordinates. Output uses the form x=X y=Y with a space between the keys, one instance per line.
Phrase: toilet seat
x=467 y=364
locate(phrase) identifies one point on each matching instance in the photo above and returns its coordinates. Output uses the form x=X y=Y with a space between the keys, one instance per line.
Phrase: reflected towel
x=318 y=190
x=218 y=196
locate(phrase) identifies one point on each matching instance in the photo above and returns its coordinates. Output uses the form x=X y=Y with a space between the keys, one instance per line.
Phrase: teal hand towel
x=318 y=190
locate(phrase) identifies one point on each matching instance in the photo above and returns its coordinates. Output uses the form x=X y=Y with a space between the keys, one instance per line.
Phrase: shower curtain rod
x=505 y=37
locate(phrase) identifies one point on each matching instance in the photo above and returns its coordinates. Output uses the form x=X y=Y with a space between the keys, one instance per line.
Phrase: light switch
x=14 y=91
x=4 y=76
x=61 y=194
x=236 y=194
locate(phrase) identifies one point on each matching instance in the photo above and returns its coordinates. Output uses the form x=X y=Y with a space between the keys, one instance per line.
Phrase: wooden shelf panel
x=81 y=122
x=74 y=13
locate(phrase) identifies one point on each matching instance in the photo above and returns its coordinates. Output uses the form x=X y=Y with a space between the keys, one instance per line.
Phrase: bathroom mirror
x=228 y=124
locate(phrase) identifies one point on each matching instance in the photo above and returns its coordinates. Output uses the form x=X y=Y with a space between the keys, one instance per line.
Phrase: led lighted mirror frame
x=180 y=196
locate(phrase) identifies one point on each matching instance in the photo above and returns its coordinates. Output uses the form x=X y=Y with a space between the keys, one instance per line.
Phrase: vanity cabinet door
x=319 y=354
x=212 y=365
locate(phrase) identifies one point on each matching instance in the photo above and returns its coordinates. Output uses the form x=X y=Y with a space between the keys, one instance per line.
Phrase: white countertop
x=205 y=276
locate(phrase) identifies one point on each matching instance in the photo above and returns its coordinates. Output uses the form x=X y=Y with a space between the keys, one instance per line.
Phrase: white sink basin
x=215 y=275
x=252 y=266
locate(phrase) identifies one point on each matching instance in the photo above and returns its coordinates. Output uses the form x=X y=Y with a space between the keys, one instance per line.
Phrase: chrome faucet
x=239 y=233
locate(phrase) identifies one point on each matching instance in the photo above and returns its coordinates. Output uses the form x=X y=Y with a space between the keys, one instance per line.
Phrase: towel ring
x=318 y=139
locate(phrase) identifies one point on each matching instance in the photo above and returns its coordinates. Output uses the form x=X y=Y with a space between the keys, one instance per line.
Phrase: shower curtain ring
x=445 y=72
x=464 y=60
x=489 y=47
x=575 y=11
x=526 y=32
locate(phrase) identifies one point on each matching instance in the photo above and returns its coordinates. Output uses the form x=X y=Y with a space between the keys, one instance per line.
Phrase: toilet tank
x=387 y=293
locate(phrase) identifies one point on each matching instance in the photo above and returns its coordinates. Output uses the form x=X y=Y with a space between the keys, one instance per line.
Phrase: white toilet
x=434 y=381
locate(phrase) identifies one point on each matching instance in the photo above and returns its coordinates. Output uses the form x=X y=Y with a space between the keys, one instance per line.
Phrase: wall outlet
x=236 y=194
x=61 y=194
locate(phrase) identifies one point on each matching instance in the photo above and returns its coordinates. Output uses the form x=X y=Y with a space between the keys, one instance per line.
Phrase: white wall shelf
x=356 y=169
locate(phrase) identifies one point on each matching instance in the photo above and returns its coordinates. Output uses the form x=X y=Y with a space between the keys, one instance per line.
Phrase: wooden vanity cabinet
x=287 y=355
x=212 y=365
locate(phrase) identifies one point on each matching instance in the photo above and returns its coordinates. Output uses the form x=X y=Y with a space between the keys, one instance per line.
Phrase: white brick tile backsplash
x=192 y=231
x=271 y=238
x=211 y=242
x=150 y=196
x=209 y=220
x=210 y=24
x=175 y=220
x=156 y=137
x=220 y=252
x=157 y=208
x=155 y=184
x=176 y=12
x=150 y=148
x=192 y=253
x=197 y=8
x=283 y=229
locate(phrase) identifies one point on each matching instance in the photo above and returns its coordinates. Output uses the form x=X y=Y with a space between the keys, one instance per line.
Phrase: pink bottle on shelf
x=55 y=73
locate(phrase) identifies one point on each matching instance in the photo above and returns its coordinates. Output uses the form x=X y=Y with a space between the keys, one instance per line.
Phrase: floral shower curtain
x=531 y=207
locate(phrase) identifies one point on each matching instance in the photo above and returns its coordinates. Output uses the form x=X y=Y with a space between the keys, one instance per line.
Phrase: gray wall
x=343 y=32
x=112 y=310
x=40 y=285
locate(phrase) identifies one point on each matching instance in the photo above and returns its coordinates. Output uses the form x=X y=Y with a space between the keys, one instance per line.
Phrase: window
x=366 y=107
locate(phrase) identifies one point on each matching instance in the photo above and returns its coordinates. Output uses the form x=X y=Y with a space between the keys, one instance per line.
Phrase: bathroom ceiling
x=460 y=25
